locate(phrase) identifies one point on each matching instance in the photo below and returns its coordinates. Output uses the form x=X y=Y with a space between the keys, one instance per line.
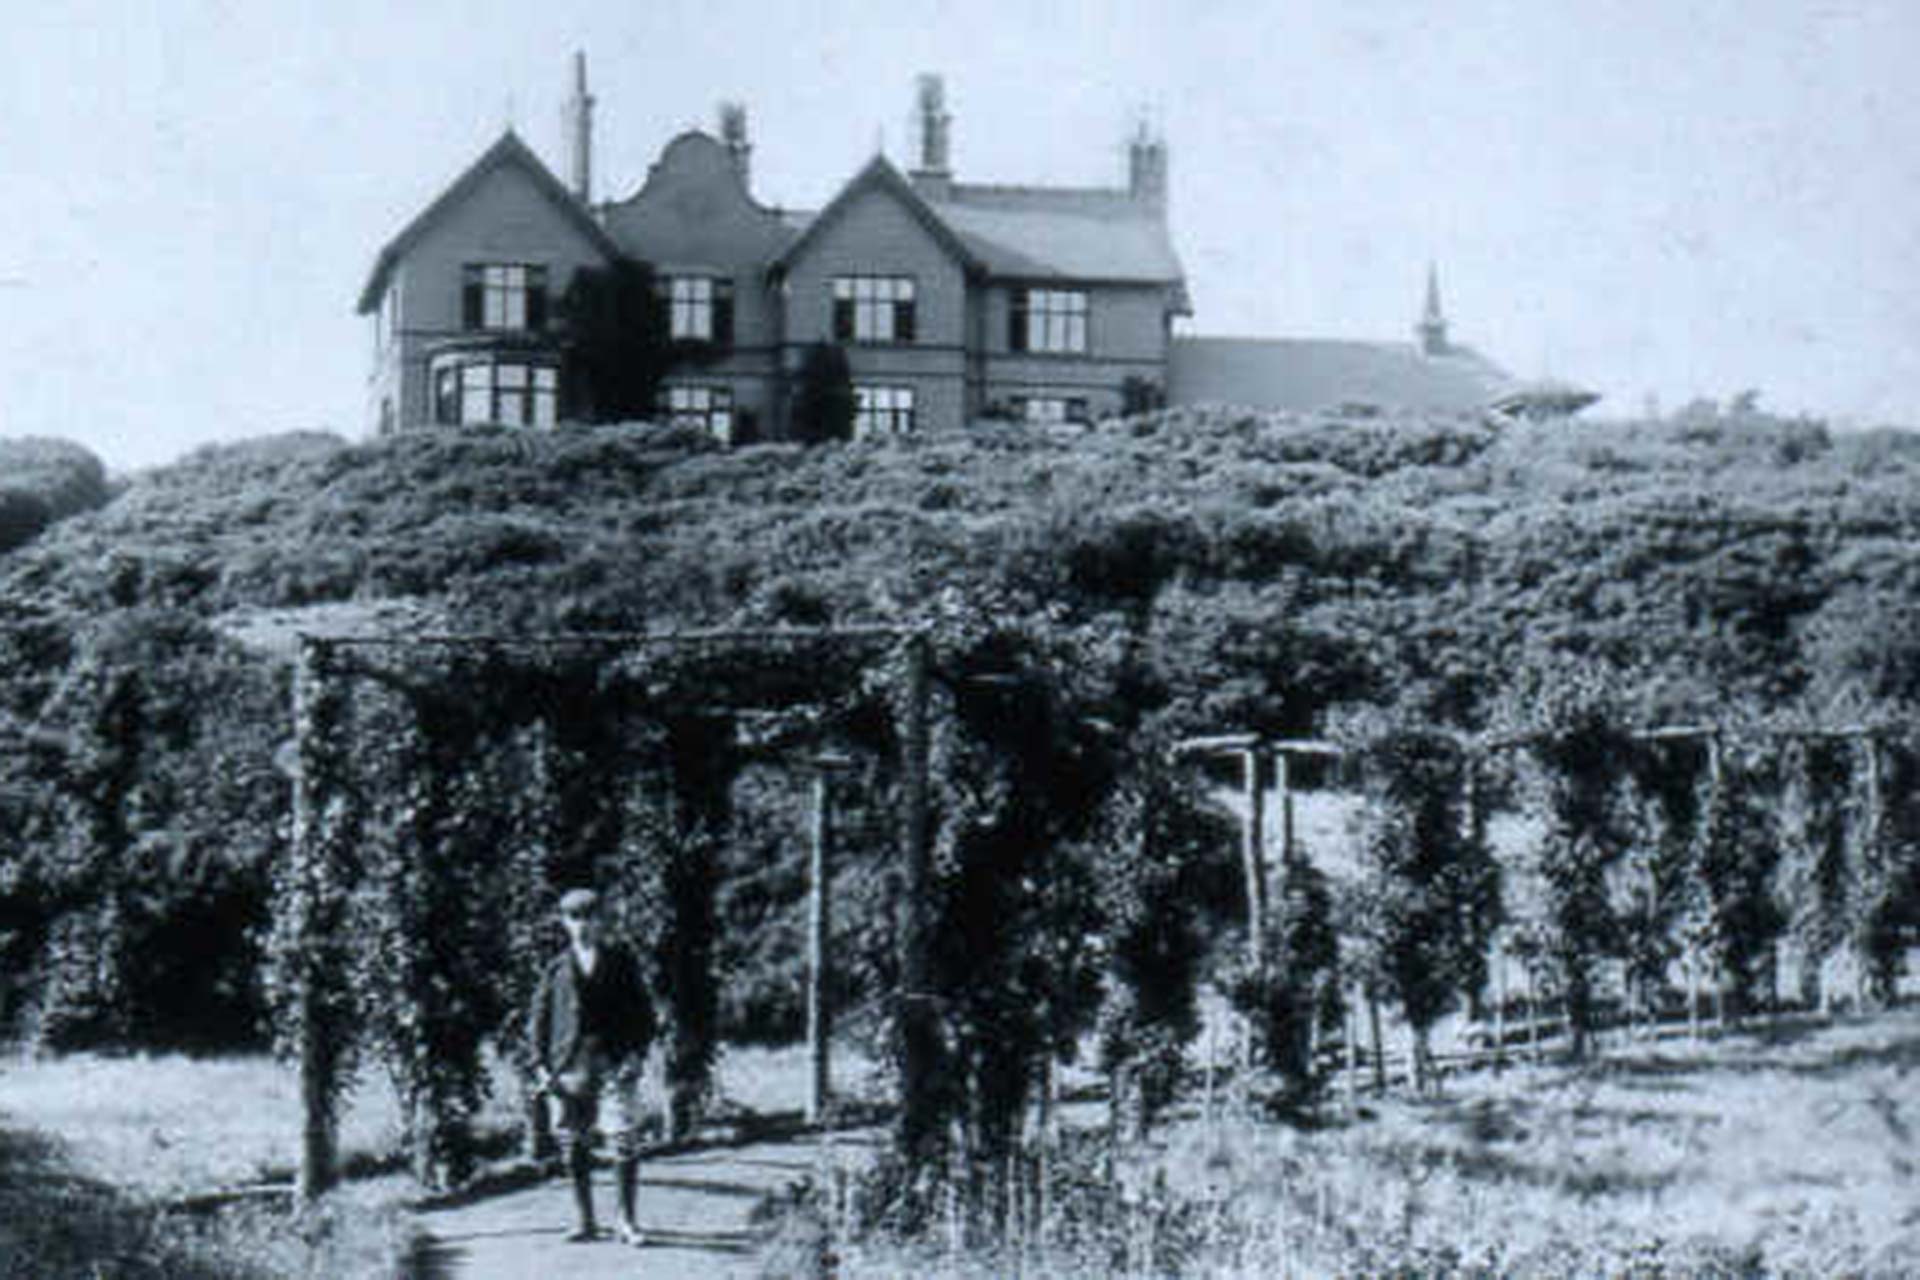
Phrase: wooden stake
x=819 y=874
x=1253 y=855
x=918 y=1017
x=316 y=1056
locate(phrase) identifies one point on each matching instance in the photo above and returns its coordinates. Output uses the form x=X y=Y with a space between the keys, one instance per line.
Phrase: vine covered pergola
x=506 y=757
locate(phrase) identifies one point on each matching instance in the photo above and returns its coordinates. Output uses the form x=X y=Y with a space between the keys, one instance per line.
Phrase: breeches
x=576 y=1110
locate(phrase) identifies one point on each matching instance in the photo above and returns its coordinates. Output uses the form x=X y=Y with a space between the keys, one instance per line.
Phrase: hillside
x=1189 y=571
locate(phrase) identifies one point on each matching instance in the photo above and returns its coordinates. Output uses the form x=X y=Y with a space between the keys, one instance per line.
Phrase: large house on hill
x=952 y=300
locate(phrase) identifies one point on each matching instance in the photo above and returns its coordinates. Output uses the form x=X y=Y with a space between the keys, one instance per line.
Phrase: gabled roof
x=880 y=175
x=1067 y=232
x=508 y=151
x=1322 y=373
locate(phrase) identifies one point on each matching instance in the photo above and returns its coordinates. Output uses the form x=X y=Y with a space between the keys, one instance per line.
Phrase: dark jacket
x=554 y=1024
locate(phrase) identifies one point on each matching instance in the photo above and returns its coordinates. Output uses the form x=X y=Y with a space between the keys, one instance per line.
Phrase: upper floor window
x=1052 y=320
x=708 y=409
x=882 y=411
x=505 y=296
x=873 y=308
x=505 y=391
x=699 y=308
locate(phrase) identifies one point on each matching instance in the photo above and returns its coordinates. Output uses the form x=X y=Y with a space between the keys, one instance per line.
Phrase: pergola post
x=819 y=924
x=318 y=1055
x=1253 y=847
x=919 y=1030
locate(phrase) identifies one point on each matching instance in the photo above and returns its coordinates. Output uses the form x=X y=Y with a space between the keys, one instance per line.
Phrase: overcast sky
x=1647 y=197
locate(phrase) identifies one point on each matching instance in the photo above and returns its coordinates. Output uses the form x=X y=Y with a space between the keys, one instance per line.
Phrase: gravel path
x=697 y=1208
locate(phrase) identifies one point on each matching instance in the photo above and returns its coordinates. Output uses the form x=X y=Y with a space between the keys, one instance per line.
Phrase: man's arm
x=540 y=1028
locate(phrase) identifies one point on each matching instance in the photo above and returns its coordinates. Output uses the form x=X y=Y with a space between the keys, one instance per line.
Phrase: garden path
x=696 y=1206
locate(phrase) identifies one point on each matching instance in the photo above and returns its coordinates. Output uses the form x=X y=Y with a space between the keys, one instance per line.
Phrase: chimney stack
x=933 y=176
x=733 y=136
x=1147 y=168
x=580 y=120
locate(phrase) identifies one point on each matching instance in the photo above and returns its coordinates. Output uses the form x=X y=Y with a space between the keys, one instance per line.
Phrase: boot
x=580 y=1167
x=629 y=1179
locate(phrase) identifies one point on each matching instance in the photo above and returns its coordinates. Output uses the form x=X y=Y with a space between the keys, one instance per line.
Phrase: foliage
x=1432 y=893
x=823 y=398
x=1157 y=861
x=44 y=480
x=1169 y=573
x=1736 y=863
x=617 y=343
x=1584 y=753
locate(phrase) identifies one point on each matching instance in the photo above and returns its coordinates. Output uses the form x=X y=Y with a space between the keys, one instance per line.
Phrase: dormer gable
x=879 y=176
x=508 y=154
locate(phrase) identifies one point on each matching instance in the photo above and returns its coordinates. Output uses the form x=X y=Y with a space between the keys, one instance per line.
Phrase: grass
x=110 y=1161
x=1787 y=1154
x=103 y=1158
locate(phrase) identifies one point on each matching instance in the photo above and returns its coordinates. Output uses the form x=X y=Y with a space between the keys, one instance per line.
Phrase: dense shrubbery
x=1171 y=573
x=42 y=481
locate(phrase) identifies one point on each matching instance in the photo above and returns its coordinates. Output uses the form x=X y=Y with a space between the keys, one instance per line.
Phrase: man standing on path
x=592 y=1022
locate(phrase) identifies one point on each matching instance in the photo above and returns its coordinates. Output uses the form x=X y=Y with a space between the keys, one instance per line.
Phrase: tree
x=1434 y=886
x=617 y=344
x=1585 y=757
x=823 y=401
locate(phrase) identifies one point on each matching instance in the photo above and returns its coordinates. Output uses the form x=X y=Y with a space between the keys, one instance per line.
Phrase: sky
x=1659 y=201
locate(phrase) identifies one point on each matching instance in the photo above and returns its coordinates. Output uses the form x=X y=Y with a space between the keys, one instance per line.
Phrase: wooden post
x=1693 y=993
x=317 y=1056
x=819 y=876
x=1353 y=1047
x=1253 y=854
x=1870 y=849
x=1379 y=1050
x=919 y=1130
x=1283 y=780
x=1500 y=1002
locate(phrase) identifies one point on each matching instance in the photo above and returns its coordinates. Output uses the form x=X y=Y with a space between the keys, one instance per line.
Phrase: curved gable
x=694 y=212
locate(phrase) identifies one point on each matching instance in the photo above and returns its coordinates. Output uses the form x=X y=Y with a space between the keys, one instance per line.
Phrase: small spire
x=1432 y=329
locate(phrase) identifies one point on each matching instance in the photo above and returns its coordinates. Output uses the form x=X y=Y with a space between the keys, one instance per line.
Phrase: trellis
x=1251 y=750
x=316 y=878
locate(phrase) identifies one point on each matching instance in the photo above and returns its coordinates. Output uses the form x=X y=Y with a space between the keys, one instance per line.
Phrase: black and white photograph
x=892 y=640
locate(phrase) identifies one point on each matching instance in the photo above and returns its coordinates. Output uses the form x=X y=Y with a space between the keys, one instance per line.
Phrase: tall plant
x=1585 y=757
x=1433 y=884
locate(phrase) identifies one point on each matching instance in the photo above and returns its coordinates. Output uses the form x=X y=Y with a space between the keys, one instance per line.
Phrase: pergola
x=802 y=662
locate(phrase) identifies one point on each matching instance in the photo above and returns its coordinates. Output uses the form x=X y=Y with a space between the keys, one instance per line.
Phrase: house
x=952 y=300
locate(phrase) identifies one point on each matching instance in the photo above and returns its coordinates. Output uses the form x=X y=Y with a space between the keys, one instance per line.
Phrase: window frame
x=494 y=295
x=1049 y=322
x=1073 y=410
x=874 y=308
x=718 y=417
x=470 y=391
x=874 y=419
x=704 y=299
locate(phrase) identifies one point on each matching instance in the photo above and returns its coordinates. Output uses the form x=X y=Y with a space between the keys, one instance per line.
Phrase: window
x=873 y=308
x=506 y=391
x=708 y=409
x=505 y=296
x=698 y=308
x=1048 y=320
x=882 y=411
x=1050 y=410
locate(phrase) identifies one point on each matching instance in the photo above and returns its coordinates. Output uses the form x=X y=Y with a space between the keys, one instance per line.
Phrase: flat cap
x=578 y=902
